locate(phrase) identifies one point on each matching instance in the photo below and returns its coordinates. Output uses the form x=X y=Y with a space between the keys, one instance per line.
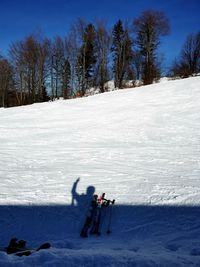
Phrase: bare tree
x=66 y=76
x=79 y=69
x=57 y=64
x=103 y=43
x=71 y=54
x=189 y=60
x=137 y=65
x=29 y=60
x=5 y=81
x=149 y=27
x=42 y=71
x=16 y=59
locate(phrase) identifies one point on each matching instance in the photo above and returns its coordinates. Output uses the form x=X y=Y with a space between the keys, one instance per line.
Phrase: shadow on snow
x=168 y=225
x=57 y=222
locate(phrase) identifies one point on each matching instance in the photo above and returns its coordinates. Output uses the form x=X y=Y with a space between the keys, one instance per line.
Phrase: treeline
x=39 y=69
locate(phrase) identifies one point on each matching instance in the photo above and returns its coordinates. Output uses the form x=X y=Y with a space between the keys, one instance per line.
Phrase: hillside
x=140 y=146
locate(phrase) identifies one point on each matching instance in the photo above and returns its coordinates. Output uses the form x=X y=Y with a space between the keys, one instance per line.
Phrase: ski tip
x=46 y=245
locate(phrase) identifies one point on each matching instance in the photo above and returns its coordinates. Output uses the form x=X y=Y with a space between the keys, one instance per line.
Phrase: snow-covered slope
x=141 y=146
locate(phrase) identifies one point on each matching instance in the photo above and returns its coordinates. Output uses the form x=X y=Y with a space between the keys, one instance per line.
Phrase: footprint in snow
x=172 y=247
x=195 y=252
x=117 y=249
x=135 y=249
x=65 y=244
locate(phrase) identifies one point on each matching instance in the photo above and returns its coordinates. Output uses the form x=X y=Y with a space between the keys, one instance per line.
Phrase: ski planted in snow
x=96 y=216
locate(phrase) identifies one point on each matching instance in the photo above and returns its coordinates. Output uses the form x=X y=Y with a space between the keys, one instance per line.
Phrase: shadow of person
x=81 y=199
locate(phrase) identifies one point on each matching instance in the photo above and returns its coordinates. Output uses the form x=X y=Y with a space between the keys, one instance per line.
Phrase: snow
x=140 y=146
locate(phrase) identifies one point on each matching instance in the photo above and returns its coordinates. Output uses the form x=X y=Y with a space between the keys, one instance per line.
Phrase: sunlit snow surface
x=140 y=146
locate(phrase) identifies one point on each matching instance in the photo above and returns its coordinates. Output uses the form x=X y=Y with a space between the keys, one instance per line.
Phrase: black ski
x=93 y=217
x=96 y=216
x=91 y=213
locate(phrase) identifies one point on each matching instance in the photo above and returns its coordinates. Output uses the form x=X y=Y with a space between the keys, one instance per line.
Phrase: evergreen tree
x=122 y=52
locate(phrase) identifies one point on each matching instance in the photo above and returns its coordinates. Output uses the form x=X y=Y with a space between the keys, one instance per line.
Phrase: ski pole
x=103 y=216
x=110 y=218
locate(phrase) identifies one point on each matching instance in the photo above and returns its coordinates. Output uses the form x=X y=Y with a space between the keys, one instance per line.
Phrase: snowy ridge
x=140 y=146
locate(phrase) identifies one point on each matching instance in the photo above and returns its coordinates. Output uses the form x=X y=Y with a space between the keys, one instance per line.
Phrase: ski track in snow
x=140 y=146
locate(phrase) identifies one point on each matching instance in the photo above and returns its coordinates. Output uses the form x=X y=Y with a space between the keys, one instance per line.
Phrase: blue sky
x=18 y=18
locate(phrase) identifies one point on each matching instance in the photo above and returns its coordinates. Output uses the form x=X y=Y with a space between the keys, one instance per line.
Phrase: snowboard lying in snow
x=24 y=251
x=29 y=251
